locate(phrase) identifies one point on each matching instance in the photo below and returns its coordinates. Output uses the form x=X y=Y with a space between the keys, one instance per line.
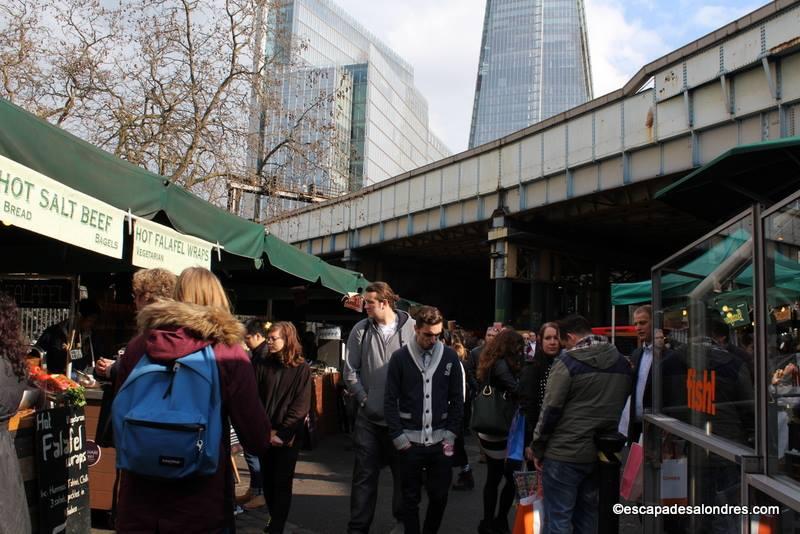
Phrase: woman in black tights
x=500 y=366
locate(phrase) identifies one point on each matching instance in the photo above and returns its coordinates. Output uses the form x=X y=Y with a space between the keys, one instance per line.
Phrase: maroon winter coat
x=172 y=330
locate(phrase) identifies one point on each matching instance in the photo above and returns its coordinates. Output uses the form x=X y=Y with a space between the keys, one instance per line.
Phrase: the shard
x=534 y=64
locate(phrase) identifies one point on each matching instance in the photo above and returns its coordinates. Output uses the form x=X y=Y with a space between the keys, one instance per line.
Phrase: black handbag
x=492 y=412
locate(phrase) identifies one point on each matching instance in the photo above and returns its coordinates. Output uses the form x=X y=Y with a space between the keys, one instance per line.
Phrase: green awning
x=641 y=292
x=785 y=276
x=759 y=172
x=342 y=280
x=45 y=148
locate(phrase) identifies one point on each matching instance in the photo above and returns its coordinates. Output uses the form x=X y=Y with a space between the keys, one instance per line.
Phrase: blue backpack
x=168 y=418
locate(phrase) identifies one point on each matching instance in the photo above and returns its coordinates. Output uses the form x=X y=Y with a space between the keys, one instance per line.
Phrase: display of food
x=61 y=387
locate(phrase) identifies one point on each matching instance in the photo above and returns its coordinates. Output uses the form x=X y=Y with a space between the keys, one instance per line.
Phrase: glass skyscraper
x=381 y=118
x=534 y=64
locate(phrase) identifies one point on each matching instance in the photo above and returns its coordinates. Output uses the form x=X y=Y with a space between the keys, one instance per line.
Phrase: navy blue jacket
x=424 y=406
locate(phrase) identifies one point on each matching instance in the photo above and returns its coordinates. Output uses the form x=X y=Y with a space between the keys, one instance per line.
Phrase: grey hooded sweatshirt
x=586 y=391
x=366 y=362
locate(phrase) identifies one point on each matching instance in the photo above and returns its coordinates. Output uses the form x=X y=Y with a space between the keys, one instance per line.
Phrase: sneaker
x=238 y=510
x=256 y=502
x=465 y=481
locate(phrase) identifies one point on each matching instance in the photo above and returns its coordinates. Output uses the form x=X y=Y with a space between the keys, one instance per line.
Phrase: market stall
x=725 y=426
x=72 y=212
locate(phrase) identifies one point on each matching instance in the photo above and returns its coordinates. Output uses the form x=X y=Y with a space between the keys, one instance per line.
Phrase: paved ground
x=321 y=503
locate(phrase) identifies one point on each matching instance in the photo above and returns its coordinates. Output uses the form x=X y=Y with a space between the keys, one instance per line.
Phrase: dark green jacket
x=586 y=392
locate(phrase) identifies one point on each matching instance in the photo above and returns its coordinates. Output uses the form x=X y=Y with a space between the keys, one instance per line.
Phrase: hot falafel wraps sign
x=155 y=245
x=35 y=202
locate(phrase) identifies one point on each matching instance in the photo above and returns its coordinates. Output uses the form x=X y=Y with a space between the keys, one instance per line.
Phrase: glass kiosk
x=725 y=427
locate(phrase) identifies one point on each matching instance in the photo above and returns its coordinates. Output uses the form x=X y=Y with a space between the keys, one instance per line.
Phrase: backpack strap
x=365 y=331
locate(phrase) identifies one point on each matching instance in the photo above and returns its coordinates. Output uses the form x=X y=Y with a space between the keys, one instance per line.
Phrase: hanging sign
x=155 y=245
x=33 y=201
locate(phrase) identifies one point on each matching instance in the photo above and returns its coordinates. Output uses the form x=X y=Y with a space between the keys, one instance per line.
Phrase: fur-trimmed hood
x=175 y=329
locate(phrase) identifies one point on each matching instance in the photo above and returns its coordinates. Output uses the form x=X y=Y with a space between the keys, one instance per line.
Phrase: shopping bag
x=632 y=477
x=528 y=485
x=674 y=481
x=529 y=518
x=515 y=450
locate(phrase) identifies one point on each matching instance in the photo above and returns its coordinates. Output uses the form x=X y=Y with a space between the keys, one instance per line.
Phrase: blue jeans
x=256 y=480
x=570 y=497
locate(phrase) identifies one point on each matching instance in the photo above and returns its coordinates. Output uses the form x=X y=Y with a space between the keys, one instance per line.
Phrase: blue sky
x=441 y=39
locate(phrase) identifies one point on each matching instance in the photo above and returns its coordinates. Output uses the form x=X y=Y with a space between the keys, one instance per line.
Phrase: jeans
x=373 y=450
x=437 y=470
x=278 y=471
x=571 y=498
x=254 y=466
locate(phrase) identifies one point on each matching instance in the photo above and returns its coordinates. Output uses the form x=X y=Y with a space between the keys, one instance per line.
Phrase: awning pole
x=613 y=323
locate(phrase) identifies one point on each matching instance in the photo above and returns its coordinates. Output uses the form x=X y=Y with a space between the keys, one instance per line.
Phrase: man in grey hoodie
x=371 y=343
x=586 y=390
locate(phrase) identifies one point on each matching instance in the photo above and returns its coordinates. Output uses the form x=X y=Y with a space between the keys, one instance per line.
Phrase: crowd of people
x=415 y=385
x=413 y=393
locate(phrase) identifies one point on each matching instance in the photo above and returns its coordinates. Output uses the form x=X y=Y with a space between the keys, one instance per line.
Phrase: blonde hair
x=198 y=285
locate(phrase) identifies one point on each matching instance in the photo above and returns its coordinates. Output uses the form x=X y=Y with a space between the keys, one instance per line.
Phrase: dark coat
x=285 y=392
x=172 y=330
x=406 y=403
x=531 y=390
x=635 y=427
x=471 y=370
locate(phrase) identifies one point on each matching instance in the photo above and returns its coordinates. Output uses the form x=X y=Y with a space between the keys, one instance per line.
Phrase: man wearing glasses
x=424 y=404
x=369 y=347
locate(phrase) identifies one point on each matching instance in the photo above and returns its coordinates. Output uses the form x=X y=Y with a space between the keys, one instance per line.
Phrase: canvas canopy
x=53 y=152
x=786 y=275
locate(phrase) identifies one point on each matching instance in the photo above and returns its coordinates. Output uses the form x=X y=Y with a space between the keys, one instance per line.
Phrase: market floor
x=321 y=502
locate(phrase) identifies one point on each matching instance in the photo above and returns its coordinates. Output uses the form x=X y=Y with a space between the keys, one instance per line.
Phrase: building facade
x=534 y=64
x=377 y=120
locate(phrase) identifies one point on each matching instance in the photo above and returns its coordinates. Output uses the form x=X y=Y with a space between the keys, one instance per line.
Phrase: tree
x=169 y=85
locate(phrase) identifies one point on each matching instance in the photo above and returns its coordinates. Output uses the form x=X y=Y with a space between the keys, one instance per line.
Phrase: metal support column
x=502 y=300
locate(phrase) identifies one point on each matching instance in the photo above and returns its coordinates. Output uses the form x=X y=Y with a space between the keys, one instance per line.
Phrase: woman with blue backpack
x=284 y=385
x=181 y=381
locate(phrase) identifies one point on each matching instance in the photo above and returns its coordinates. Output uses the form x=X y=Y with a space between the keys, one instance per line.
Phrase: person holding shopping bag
x=498 y=376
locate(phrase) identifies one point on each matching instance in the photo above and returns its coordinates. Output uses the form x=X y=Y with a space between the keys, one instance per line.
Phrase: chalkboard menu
x=62 y=471
x=39 y=292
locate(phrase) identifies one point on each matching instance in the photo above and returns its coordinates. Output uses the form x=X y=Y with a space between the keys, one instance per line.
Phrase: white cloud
x=711 y=17
x=618 y=46
x=441 y=40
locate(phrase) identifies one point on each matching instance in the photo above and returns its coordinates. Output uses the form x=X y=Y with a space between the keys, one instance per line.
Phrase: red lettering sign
x=701 y=391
